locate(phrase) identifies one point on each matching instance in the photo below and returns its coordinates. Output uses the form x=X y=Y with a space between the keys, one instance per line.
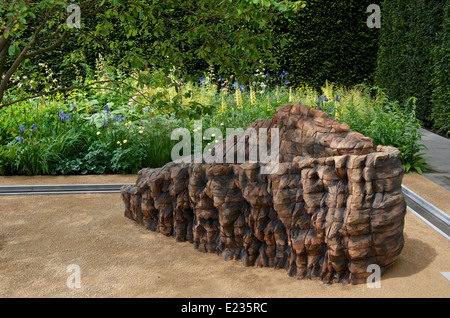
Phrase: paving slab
x=437 y=154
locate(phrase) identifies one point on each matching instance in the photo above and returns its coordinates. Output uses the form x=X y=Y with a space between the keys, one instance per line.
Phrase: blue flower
x=318 y=106
x=34 y=127
x=286 y=73
x=325 y=99
x=242 y=88
x=319 y=98
x=235 y=85
x=220 y=78
x=282 y=75
x=267 y=74
x=19 y=139
x=299 y=102
x=68 y=116
x=105 y=122
x=74 y=107
x=22 y=128
x=201 y=80
x=107 y=109
x=286 y=82
x=336 y=99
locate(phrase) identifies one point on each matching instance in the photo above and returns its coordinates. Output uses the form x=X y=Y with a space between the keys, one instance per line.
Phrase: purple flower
x=22 y=128
x=336 y=99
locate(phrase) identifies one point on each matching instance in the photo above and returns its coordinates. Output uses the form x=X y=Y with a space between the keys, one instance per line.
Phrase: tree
x=229 y=33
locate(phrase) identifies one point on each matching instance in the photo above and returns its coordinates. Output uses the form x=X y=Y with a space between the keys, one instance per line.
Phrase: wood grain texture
x=334 y=206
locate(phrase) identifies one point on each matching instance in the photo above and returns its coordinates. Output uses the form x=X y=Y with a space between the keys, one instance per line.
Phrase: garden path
x=438 y=156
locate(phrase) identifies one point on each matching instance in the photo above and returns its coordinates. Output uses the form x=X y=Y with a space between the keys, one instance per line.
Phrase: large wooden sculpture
x=333 y=207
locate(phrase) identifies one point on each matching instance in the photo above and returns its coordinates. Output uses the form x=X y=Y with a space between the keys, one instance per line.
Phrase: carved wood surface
x=334 y=206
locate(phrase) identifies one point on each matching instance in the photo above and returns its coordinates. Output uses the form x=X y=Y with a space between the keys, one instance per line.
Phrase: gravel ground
x=42 y=235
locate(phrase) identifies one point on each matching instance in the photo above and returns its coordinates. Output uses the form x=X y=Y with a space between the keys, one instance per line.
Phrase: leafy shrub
x=405 y=59
x=329 y=41
x=440 y=112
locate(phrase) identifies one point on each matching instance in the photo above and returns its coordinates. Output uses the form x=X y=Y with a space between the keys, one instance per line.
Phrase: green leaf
x=12 y=49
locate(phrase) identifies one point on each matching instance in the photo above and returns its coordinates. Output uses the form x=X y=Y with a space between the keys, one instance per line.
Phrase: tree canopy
x=138 y=35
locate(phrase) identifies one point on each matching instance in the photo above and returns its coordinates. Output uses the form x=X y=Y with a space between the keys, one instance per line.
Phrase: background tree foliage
x=329 y=41
x=408 y=37
x=135 y=35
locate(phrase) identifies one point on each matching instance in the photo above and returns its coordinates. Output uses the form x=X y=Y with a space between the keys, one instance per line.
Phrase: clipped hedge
x=440 y=112
x=330 y=41
x=405 y=57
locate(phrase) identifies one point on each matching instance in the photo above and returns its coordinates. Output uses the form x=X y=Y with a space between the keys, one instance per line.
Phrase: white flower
x=98 y=133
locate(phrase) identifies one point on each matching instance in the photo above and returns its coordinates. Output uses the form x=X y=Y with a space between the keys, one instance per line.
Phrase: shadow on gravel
x=415 y=256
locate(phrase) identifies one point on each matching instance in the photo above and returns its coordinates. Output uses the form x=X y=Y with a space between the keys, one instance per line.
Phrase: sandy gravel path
x=41 y=235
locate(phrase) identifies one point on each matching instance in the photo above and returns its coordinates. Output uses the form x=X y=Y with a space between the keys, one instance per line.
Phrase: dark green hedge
x=440 y=112
x=408 y=36
x=330 y=40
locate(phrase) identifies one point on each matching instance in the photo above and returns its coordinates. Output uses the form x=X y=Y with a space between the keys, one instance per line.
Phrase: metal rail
x=431 y=215
x=60 y=189
x=424 y=210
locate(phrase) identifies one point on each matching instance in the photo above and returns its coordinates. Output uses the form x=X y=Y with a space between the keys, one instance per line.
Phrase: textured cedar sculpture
x=334 y=206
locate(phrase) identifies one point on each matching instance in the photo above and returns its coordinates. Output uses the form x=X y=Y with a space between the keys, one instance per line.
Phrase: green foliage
x=405 y=59
x=135 y=35
x=329 y=41
x=440 y=112
x=389 y=124
x=117 y=130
